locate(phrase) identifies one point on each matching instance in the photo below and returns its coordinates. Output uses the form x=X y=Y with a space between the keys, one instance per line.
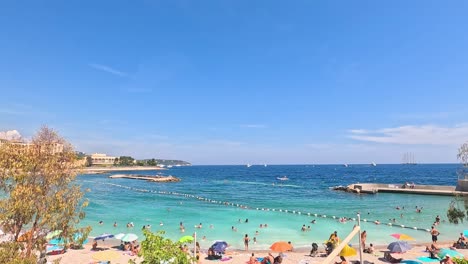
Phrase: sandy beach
x=300 y=256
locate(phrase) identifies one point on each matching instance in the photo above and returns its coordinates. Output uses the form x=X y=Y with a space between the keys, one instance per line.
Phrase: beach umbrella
x=402 y=237
x=452 y=253
x=281 y=246
x=130 y=237
x=119 y=236
x=399 y=246
x=57 y=241
x=219 y=246
x=53 y=234
x=465 y=233
x=78 y=236
x=186 y=239
x=105 y=255
x=348 y=251
x=103 y=237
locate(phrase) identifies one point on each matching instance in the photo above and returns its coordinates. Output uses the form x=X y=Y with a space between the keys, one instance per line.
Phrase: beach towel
x=428 y=259
x=226 y=259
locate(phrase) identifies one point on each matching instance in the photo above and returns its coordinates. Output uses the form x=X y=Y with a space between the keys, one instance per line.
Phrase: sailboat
x=408 y=159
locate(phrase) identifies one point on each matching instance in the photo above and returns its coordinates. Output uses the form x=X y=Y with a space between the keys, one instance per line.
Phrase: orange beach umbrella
x=281 y=246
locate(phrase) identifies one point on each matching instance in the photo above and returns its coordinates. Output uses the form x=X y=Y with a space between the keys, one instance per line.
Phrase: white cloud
x=10 y=135
x=108 y=69
x=414 y=135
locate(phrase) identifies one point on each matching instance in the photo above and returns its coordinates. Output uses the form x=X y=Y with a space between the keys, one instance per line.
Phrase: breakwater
x=372 y=188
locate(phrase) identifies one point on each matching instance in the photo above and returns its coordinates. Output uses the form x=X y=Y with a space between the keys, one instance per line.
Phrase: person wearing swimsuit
x=246 y=242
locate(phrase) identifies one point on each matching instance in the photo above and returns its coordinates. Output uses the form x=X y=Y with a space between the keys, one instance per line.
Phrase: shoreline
x=101 y=170
x=241 y=256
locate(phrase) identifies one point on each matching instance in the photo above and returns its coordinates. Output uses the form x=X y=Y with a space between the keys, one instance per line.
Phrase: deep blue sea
x=223 y=197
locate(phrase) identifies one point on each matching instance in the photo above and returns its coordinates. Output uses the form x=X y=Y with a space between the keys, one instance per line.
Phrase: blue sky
x=235 y=82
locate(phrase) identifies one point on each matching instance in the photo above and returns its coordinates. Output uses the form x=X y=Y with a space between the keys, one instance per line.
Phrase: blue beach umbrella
x=219 y=246
x=399 y=246
x=452 y=253
x=103 y=237
x=465 y=233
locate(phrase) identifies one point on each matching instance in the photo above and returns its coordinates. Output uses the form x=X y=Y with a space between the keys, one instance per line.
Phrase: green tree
x=151 y=162
x=463 y=157
x=157 y=249
x=89 y=161
x=37 y=181
x=126 y=161
x=457 y=213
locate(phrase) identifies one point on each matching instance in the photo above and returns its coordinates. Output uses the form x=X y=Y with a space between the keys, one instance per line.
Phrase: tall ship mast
x=408 y=158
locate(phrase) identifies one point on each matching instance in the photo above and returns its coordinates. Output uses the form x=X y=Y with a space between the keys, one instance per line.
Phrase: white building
x=102 y=159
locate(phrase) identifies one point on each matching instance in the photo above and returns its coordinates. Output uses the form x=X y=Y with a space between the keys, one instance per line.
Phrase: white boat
x=169 y=166
x=346 y=165
x=284 y=178
x=248 y=165
x=373 y=164
x=265 y=165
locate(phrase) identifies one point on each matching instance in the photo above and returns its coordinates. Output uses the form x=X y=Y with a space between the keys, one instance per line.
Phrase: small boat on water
x=373 y=164
x=284 y=178
x=248 y=165
x=346 y=165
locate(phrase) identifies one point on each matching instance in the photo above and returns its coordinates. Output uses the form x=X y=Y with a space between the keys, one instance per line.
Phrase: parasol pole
x=359 y=235
x=195 y=245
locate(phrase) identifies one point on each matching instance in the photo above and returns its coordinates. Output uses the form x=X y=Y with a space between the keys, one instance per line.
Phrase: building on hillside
x=24 y=146
x=102 y=159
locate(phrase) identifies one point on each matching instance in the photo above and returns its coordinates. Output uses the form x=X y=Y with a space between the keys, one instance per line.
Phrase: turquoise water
x=220 y=196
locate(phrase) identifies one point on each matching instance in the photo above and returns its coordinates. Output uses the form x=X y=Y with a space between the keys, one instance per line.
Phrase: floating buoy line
x=243 y=206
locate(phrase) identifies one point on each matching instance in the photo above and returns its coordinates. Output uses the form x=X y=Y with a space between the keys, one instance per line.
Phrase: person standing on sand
x=363 y=238
x=434 y=233
x=246 y=242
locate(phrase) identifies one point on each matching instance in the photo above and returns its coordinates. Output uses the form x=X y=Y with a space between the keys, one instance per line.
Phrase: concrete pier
x=401 y=188
x=146 y=177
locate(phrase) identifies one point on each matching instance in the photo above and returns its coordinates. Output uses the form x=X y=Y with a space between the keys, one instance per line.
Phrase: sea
x=232 y=201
